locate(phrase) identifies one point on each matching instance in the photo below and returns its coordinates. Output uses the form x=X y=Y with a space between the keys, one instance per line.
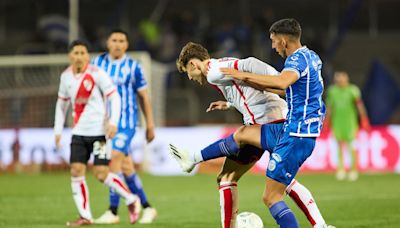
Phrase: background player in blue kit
x=295 y=139
x=126 y=73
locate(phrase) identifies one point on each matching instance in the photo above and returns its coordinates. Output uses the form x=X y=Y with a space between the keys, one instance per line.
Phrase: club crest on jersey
x=125 y=70
x=271 y=165
x=88 y=84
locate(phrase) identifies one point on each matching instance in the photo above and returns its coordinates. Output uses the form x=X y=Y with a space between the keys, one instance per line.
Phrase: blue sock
x=114 y=198
x=135 y=185
x=221 y=148
x=283 y=216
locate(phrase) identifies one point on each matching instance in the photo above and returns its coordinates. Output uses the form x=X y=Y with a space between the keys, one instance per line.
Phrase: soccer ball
x=249 y=220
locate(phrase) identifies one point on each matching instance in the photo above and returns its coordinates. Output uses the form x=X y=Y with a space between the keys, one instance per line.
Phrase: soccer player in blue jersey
x=293 y=141
x=127 y=75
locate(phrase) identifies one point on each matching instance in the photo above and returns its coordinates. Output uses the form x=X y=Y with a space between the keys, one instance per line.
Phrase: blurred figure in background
x=84 y=85
x=126 y=73
x=344 y=105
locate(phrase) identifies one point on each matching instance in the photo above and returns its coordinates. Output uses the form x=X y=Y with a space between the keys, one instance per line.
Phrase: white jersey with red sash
x=257 y=107
x=85 y=91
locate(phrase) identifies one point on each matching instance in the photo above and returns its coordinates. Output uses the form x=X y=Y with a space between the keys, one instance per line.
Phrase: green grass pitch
x=45 y=200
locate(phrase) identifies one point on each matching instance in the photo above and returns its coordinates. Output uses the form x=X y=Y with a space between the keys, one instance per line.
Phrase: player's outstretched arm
x=281 y=81
x=219 y=105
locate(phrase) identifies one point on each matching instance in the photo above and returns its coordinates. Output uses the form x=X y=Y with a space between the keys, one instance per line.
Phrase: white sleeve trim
x=142 y=87
x=294 y=70
x=303 y=134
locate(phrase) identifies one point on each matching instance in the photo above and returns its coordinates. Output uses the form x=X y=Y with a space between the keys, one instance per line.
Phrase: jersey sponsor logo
x=312 y=120
x=294 y=58
x=293 y=63
x=276 y=157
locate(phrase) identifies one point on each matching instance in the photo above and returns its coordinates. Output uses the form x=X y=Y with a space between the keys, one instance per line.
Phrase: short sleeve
x=297 y=63
x=355 y=91
x=140 y=81
x=62 y=90
x=104 y=82
x=214 y=75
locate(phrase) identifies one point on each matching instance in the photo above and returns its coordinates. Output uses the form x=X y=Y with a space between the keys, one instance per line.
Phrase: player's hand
x=111 y=130
x=58 y=141
x=217 y=105
x=230 y=72
x=150 y=134
x=364 y=122
x=326 y=125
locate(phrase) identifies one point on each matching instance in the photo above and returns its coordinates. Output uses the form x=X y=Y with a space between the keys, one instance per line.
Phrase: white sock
x=303 y=198
x=118 y=185
x=80 y=193
x=228 y=203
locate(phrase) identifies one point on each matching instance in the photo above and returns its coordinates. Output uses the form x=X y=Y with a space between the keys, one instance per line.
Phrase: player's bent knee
x=77 y=170
x=128 y=169
x=228 y=177
x=100 y=172
x=240 y=134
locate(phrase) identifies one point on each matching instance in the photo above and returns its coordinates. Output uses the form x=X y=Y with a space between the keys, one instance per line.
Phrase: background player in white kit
x=257 y=108
x=83 y=85
x=126 y=73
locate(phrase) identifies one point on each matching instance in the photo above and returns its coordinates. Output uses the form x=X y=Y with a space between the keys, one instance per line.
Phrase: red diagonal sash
x=82 y=96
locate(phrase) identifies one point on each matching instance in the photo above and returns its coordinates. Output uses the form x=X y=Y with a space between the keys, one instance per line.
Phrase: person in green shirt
x=346 y=112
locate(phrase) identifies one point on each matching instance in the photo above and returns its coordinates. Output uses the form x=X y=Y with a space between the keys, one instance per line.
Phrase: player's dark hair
x=77 y=43
x=287 y=26
x=191 y=51
x=117 y=30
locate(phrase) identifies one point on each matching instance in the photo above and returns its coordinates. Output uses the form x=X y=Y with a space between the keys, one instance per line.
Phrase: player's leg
x=224 y=147
x=306 y=202
x=228 y=193
x=273 y=199
x=103 y=174
x=233 y=169
x=134 y=183
x=353 y=174
x=282 y=167
x=80 y=191
x=119 y=150
x=340 y=171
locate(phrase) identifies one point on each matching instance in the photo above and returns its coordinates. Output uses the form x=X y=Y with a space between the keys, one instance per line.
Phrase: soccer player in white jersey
x=83 y=85
x=126 y=73
x=257 y=108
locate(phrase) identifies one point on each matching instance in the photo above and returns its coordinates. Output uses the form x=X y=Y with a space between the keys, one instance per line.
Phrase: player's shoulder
x=296 y=60
x=100 y=57
x=95 y=70
x=223 y=62
x=132 y=61
x=354 y=88
x=66 y=72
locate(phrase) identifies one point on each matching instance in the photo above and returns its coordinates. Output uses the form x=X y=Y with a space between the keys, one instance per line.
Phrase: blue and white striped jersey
x=304 y=97
x=126 y=73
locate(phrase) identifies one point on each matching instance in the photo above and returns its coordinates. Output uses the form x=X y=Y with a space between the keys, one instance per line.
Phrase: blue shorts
x=122 y=140
x=288 y=152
